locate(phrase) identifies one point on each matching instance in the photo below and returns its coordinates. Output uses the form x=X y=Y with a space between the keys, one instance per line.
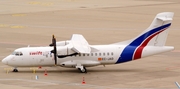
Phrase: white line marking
x=47 y=82
x=4 y=66
x=35 y=81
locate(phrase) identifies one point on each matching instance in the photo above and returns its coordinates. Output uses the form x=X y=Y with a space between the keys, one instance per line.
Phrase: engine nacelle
x=62 y=43
x=64 y=50
x=70 y=64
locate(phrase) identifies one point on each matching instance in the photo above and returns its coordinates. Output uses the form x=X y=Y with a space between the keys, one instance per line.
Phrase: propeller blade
x=53 y=41
x=54 y=51
x=55 y=55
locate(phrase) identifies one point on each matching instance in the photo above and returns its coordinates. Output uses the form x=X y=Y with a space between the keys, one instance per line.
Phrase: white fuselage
x=41 y=56
x=106 y=54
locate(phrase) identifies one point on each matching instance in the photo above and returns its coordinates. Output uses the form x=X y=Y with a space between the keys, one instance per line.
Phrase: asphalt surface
x=24 y=23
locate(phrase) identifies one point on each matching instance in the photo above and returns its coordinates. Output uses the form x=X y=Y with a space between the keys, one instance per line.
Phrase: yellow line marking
x=7 y=70
x=17 y=26
x=42 y=3
x=33 y=70
x=46 y=4
x=4 y=25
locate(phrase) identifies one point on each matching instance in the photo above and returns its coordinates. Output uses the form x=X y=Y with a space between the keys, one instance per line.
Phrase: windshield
x=17 y=53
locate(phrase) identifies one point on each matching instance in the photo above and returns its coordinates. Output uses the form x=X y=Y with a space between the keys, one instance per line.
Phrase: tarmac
x=29 y=22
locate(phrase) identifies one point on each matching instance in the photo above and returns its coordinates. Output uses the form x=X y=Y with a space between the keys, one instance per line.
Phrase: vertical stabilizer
x=151 y=41
x=156 y=34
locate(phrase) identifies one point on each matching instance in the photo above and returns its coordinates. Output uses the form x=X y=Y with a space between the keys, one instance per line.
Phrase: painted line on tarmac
x=57 y=83
x=61 y=27
x=14 y=15
x=11 y=26
x=4 y=66
x=4 y=25
x=17 y=26
x=26 y=80
x=41 y=3
x=81 y=85
x=19 y=43
x=57 y=27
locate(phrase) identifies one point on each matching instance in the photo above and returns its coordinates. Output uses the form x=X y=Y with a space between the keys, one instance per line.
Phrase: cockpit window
x=13 y=53
x=17 y=53
x=20 y=54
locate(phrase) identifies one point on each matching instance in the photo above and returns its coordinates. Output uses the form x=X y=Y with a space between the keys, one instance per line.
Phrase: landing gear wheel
x=15 y=70
x=83 y=70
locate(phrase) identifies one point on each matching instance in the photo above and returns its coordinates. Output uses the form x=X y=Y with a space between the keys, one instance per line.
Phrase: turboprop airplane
x=77 y=53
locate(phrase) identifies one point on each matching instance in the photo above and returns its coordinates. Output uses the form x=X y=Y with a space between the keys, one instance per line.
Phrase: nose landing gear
x=15 y=70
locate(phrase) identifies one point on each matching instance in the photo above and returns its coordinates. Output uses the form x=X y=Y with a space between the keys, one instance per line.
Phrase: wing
x=80 y=44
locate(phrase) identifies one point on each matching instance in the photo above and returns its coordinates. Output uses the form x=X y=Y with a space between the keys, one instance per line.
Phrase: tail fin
x=155 y=34
x=149 y=42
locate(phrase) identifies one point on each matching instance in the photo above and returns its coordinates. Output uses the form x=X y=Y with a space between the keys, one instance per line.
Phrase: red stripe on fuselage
x=138 y=51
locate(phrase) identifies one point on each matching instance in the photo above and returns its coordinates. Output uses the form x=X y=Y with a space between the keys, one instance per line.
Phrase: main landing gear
x=15 y=70
x=83 y=70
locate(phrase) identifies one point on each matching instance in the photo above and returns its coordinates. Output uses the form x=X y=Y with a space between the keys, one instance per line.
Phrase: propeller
x=54 y=51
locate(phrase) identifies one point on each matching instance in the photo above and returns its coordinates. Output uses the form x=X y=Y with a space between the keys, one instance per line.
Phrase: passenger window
x=84 y=54
x=111 y=53
x=108 y=53
x=99 y=54
x=87 y=54
x=91 y=54
x=79 y=54
x=95 y=54
x=104 y=54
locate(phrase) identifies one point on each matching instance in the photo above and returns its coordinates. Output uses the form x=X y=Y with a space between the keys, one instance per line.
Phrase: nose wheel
x=15 y=70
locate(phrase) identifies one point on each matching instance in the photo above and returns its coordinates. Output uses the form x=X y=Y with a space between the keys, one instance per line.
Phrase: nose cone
x=4 y=61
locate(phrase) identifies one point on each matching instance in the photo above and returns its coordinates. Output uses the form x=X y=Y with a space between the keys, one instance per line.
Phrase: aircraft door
x=118 y=53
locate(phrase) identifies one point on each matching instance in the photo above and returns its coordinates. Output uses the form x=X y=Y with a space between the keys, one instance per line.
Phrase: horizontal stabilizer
x=164 y=19
x=165 y=16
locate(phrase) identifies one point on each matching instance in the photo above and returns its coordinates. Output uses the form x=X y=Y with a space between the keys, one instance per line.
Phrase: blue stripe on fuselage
x=127 y=53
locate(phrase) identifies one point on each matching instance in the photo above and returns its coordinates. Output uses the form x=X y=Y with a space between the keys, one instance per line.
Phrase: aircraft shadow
x=77 y=71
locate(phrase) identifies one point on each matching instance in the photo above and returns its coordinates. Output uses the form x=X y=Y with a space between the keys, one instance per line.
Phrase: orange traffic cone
x=83 y=82
x=45 y=73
